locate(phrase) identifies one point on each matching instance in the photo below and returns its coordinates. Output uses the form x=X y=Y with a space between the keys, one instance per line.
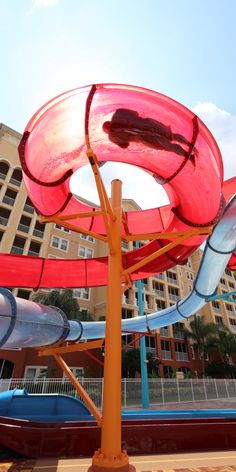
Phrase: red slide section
x=124 y=124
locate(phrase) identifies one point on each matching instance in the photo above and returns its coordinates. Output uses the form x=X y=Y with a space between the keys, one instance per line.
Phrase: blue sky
x=185 y=49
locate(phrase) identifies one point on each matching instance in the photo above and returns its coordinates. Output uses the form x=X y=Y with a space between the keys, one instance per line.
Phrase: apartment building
x=22 y=233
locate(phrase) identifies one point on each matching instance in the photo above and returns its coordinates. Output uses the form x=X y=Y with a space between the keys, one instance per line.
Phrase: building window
x=77 y=371
x=24 y=225
x=9 y=197
x=16 y=177
x=34 y=372
x=189 y=275
x=83 y=293
x=219 y=320
x=173 y=293
x=4 y=168
x=34 y=249
x=126 y=313
x=228 y=272
x=229 y=308
x=160 y=304
x=38 y=231
x=232 y=322
x=171 y=277
x=165 y=349
x=150 y=343
x=62 y=228
x=28 y=207
x=4 y=216
x=181 y=352
x=60 y=243
x=24 y=294
x=87 y=237
x=18 y=245
x=216 y=306
x=158 y=288
x=85 y=252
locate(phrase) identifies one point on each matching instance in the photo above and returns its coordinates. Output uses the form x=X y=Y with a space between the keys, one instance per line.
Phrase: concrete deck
x=221 y=461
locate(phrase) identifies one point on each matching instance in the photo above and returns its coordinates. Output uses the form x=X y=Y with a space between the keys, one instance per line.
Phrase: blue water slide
x=24 y=323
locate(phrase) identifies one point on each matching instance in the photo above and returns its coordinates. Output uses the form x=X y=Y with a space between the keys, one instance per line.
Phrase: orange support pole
x=110 y=457
x=85 y=397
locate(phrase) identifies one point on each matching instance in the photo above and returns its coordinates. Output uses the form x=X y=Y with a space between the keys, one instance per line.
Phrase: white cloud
x=223 y=127
x=35 y=4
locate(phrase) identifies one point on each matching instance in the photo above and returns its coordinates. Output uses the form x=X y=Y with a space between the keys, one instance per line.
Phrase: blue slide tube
x=24 y=323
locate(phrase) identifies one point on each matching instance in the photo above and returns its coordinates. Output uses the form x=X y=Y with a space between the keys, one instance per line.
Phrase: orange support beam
x=85 y=397
x=110 y=457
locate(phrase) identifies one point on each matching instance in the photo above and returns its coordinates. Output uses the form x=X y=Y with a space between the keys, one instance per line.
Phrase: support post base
x=128 y=468
x=104 y=463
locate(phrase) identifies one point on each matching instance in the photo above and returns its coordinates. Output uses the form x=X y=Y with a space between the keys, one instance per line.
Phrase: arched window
x=4 y=168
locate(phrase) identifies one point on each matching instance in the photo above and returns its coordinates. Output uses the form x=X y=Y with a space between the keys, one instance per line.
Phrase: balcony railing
x=17 y=250
x=164 y=332
x=33 y=253
x=28 y=209
x=173 y=297
x=160 y=293
x=182 y=356
x=166 y=355
x=38 y=233
x=15 y=182
x=179 y=334
x=152 y=350
x=2 y=176
x=3 y=221
x=8 y=200
x=172 y=281
x=23 y=228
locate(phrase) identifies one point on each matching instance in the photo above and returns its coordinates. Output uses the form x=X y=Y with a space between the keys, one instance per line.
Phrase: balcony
x=172 y=281
x=160 y=293
x=178 y=334
x=164 y=332
x=166 y=355
x=182 y=356
x=2 y=176
x=152 y=350
x=173 y=297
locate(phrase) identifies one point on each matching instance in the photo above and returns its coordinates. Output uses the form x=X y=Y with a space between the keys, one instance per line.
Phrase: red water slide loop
x=131 y=125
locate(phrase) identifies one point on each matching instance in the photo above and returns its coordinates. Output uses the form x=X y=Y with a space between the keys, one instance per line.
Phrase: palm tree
x=201 y=334
x=224 y=342
x=63 y=299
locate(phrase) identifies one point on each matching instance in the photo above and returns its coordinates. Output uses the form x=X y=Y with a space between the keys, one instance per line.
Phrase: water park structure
x=95 y=125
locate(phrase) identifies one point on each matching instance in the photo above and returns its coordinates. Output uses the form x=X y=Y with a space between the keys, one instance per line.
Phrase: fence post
x=226 y=387
x=162 y=391
x=177 y=385
x=191 y=381
x=125 y=393
x=204 y=386
x=43 y=384
x=217 y=394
